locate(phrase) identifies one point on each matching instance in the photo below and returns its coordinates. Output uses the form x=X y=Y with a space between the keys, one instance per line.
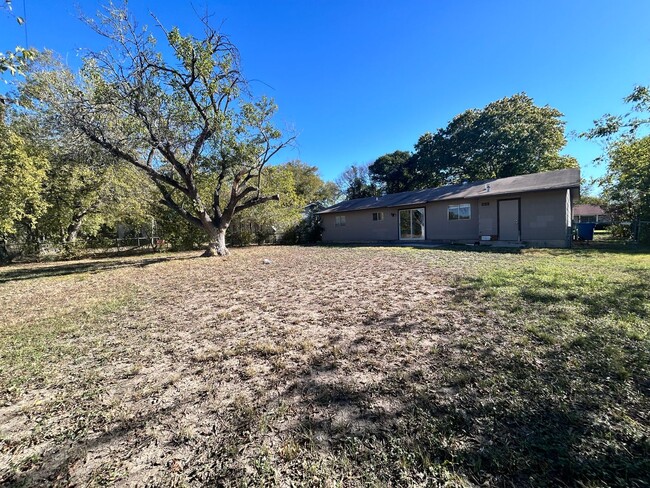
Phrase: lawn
x=328 y=367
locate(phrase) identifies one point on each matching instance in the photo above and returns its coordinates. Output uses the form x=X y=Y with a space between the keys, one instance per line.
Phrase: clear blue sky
x=358 y=79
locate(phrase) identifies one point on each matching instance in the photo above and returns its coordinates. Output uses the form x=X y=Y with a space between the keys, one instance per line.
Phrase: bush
x=180 y=234
x=644 y=232
x=621 y=232
x=241 y=236
x=307 y=231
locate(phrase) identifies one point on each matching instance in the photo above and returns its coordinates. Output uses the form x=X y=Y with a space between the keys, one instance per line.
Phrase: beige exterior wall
x=440 y=228
x=545 y=217
x=545 y=221
x=360 y=227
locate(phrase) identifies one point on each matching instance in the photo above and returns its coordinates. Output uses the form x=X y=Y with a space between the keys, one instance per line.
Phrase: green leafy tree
x=591 y=200
x=86 y=188
x=508 y=137
x=393 y=171
x=84 y=198
x=613 y=127
x=22 y=174
x=309 y=186
x=186 y=121
x=355 y=182
x=626 y=185
x=299 y=185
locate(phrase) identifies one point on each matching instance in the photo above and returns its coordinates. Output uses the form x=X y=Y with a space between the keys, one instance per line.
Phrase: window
x=459 y=212
x=340 y=220
x=378 y=216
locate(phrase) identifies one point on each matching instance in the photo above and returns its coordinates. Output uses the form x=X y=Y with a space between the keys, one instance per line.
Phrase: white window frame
x=377 y=216
x=339 y=221
x=458 y=206
x=422 y=210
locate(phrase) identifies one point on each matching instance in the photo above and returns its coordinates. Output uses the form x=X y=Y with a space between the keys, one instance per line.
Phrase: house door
x=411 y=223
x=509 y=220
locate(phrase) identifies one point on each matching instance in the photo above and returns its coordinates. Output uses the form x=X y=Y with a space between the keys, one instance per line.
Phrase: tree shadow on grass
x=629 y=297
x=627 y=248
x=71 y=268
x=484 y=418
x=476 y=408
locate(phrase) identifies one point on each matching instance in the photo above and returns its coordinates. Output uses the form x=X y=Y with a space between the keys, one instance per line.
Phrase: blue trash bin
x=585 y=231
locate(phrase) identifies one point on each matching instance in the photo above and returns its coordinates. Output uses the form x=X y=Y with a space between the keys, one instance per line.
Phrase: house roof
x=549 y=180
x=587 y=209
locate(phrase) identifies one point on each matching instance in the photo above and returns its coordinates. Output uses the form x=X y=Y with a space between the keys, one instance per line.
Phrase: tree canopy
x=22 y=175
x=393 y=171
x=187 y=120
x=626 y=184
x=508 y=137
x=628 y=176
x=355 y=182
x=300 y=185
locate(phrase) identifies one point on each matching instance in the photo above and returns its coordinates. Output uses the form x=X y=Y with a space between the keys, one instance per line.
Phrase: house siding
x=545 y=217
x=440 y=228
x=360 y=227
x=545 y=220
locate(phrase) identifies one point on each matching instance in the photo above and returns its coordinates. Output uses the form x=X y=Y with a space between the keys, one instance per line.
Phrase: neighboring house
x=534 y=209
x=593 y=214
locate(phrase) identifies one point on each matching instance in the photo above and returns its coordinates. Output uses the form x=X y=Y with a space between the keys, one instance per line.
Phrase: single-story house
x=593 y=214
x=533 y=209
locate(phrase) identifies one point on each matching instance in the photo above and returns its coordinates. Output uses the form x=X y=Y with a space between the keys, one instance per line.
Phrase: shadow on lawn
x=579 y=249
x=479 y=416
x=53 y=466
x=70 y=268
x=622 y=298
x=476 y=408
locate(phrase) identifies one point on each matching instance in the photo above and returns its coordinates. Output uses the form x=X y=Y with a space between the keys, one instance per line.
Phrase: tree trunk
x=73 y=232
x=5 y=256
x=217 y=245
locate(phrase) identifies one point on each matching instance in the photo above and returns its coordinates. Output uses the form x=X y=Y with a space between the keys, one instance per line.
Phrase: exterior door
x=509 y=220
x=411 y=223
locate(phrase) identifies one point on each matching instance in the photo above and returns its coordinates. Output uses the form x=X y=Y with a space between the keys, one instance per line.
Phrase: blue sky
x=358 y=79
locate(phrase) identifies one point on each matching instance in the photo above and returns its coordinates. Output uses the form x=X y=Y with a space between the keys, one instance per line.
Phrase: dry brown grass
x=329 y=366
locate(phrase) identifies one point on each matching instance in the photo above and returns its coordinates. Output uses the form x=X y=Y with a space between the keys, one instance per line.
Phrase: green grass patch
x=31 y=352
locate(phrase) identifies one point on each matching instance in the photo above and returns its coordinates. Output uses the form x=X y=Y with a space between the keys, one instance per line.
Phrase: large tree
x=355 y=182
x=393 y=171
x=626 y=184
x=507 y=137
x=85 y=186
x=187 y=120
x=22 y=175
x=300 y=185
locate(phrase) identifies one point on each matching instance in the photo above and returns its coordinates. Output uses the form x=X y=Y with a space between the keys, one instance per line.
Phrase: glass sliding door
x=411 y=223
